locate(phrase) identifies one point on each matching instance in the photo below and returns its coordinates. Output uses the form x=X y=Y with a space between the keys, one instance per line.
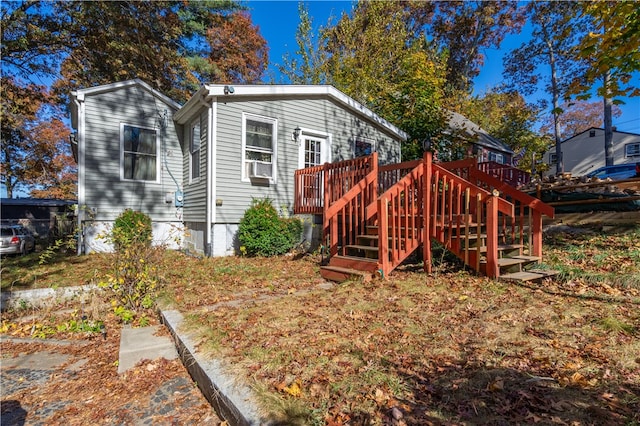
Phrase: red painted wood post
x=383 y=236
x=537 y=233
x=492 y=237
x=326 y=232
x=426 y=214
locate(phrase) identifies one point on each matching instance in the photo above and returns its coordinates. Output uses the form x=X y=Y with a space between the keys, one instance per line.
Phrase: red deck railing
x=457 y=211
x=348 y=201
x=419 y=201
x=525 y=227
x=400 y=215
x=319 y=186
x=505 y=173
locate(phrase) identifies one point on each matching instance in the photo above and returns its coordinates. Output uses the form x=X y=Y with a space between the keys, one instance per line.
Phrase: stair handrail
x=401 y=219
x=536 y=207
x=348 y=207
x=490 y=205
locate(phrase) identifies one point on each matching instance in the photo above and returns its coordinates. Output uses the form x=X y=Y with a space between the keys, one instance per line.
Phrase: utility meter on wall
x=179 y=199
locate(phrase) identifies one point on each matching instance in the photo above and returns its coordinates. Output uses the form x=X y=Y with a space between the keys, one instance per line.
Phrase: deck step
x=528 y=259
x=361 y=247
x=340 y=274
x=501 y=247
x=509 y=261
x=527 y=275
x=354 y=262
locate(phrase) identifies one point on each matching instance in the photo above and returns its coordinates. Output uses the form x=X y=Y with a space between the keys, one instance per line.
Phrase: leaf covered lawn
x=452 y=348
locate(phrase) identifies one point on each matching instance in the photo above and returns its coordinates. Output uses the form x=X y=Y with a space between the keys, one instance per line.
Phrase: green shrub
x=134 y=278
x=131 y=227
x=263 y=233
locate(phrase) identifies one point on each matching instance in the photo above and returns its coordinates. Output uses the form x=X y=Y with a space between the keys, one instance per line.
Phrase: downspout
x=210 y=189
x=79 y=101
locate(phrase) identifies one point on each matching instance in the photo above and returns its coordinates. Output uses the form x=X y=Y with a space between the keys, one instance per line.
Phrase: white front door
x=314 y=150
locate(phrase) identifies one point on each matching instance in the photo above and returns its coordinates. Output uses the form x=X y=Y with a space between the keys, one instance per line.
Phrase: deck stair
x=377 y=216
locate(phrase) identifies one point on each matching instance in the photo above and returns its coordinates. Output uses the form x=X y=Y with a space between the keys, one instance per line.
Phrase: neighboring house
x=481 y=144
x=245 y=142
x=584 y=152
x=40 y=216
x=201 y=165
x=128 y=156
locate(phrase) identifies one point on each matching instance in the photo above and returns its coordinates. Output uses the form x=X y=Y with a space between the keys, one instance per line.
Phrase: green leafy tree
x=34 y=38
x=174 y=45
x=465 y=29
x=508 y=117
x=308 y=64
x=379 y=56
x=611 y=48
x=550 y=51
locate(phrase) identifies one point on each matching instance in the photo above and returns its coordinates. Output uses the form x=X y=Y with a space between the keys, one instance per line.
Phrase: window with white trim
x=194 y=150
x=312 y=151
x=632 y=149
x=498 y=158
x=363 y=147
x=139 y=153
x=259 y=146
x=553 y=158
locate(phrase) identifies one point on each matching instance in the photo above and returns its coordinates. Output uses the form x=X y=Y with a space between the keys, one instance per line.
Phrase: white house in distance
x=584 y=152
x=199 y=166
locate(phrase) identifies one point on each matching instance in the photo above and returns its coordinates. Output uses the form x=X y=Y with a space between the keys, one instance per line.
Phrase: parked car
x=617 y=172
x=16 y=239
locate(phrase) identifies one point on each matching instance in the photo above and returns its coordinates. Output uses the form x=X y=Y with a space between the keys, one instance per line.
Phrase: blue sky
x=278 y=22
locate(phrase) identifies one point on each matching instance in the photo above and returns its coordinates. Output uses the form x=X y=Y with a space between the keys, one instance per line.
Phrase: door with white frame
x=315 y=150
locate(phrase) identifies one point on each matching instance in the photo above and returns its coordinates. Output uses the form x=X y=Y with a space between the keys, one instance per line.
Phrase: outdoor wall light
x=296 y=134
x=229 y=90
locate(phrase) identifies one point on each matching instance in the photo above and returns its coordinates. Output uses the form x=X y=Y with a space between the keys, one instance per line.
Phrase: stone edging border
x=233 y=401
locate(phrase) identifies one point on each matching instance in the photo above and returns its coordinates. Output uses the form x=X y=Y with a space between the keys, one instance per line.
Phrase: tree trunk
x=608 y=127
x=556 y=112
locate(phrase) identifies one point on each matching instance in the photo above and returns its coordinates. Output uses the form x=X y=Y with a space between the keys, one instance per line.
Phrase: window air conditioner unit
x=260 y=170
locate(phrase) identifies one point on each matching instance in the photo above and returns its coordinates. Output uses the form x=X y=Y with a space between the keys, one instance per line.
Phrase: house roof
x=460 y=123
x=601 y=129
x=43 y=202
x=81 y=93
x=221 y=91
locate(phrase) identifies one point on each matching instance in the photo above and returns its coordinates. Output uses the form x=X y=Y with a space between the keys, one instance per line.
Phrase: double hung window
x=139 y=155
x=259 y=143
x=194 y=151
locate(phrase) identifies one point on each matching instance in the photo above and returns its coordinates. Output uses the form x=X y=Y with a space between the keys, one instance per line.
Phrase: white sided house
x=199 y=166
x=244 y=142
x=584 y=152
x=128 y=157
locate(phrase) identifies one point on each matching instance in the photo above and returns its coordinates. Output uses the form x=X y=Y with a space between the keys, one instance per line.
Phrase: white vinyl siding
x=138 y=153
x=107 y=193
x=339 y=126
x=195 y=191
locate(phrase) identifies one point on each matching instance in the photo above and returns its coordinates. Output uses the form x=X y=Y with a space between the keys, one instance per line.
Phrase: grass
x=452 y=348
